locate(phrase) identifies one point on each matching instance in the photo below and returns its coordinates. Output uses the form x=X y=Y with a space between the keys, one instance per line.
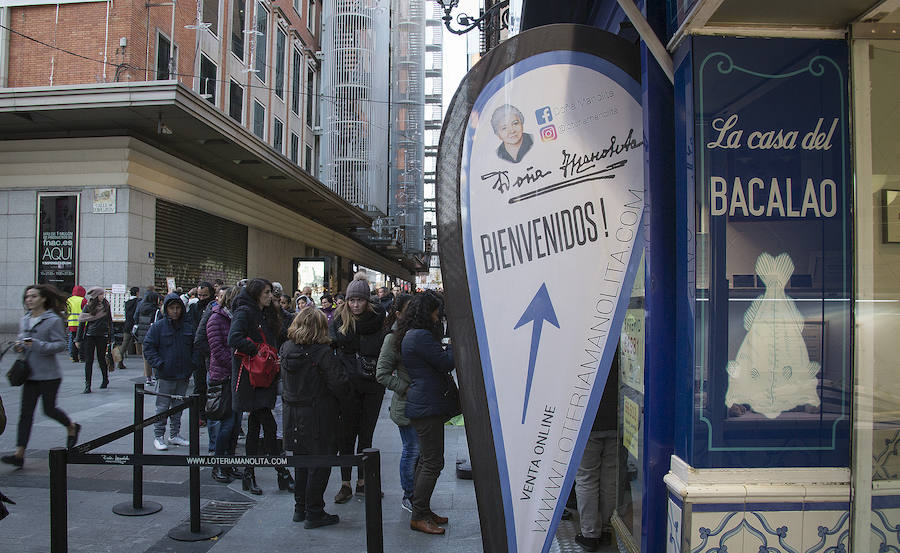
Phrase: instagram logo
x=548 y=133
x=543 y=115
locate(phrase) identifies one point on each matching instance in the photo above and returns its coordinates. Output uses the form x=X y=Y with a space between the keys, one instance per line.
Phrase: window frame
x=260 y=64
x=241 y=6
x=173 y=52
x=277 y=136
x=215 y=78
x=231 y=86
x=296 y=79
x=280 y=62
x=259 y=117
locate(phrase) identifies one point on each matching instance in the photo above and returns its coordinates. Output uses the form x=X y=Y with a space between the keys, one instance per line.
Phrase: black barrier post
x=194 y=531
x=59 y=522
x=137 y=507
x=372 y=470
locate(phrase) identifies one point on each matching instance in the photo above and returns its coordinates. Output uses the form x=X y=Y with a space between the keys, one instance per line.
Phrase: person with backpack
x=256 y=321
x=146 y=313
x=168 y=347
x=313 y=381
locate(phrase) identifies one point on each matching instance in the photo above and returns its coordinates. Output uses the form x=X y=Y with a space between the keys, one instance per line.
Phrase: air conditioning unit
x=317 y=130
x=320 y=55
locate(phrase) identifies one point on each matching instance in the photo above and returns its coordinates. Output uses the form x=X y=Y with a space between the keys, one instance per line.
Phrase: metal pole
x=58 y=501
x=374 y=530
x=138 y=469
x=137 y=507
x=194 y=439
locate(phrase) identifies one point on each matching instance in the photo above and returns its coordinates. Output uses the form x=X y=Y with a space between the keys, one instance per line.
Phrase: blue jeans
x=408 y=458
x=171 y=387
x=71 y=345
x=212 y=427
x=226 y=427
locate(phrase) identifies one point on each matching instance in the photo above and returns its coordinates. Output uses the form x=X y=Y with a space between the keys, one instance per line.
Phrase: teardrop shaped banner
x=540 y=204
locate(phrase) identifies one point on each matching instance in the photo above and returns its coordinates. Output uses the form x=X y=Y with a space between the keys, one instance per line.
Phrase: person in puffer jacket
x=429 y=401
x=168 y=347
x=217 y=327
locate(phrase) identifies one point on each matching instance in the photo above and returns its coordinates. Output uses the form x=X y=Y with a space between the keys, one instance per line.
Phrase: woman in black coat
x=313 y=380
x=431 y=400
x=256 y=319
x=357 y=331
x=95 y=331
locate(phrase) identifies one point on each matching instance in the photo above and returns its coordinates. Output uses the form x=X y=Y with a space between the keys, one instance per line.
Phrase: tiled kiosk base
x=783 y=510
x=885 y=519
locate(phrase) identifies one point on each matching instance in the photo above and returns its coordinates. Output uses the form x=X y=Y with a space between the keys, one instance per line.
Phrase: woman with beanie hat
x=95 y=330
x=357 y=334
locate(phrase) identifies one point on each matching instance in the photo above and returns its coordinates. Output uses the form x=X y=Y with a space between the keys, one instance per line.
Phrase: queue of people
x=332 y=365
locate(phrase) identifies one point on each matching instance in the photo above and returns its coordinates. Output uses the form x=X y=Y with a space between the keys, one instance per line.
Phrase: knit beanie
x=358 y=287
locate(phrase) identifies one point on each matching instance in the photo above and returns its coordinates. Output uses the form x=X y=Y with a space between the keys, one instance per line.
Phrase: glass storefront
x=877 y=429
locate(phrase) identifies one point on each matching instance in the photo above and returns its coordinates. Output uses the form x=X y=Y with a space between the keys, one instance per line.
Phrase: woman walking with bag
x=313 y=380
x=42 y=334
x=94 y=334
x=357 y=333
x=432 y=399
x=220 y=356
x=391 y=374
x=256 y=321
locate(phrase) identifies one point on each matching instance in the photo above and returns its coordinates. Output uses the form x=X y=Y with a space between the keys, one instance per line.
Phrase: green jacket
x=389 y=372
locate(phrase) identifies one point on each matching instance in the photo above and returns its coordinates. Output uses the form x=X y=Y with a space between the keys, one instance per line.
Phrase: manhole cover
x=224 y=512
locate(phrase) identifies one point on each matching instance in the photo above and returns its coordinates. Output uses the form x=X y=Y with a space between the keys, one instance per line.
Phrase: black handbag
x=451 y=396
x=218 y=400
x=19 y=372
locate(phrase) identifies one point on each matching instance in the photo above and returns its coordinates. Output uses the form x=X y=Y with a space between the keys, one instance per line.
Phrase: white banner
x=552 y=197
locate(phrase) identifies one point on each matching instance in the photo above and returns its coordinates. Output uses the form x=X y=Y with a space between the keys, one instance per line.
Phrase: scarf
x=102 y=311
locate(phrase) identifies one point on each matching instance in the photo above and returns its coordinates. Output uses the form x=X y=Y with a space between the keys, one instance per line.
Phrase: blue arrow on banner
x=539 y=310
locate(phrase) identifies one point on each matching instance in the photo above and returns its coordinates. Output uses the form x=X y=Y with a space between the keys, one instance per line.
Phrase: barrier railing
x=369 y=463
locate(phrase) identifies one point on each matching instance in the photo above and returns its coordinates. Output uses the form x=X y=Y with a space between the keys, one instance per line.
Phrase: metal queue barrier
x=369 y=462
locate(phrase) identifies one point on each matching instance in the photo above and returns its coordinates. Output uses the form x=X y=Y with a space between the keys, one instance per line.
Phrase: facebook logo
x=543 y=115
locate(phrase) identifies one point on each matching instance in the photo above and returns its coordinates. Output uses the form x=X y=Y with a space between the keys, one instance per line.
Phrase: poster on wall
x=774 y=184
x=57 y=240
x=547 y=200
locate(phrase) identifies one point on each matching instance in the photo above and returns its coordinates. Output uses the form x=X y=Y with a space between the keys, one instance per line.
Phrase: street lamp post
x=465 y=21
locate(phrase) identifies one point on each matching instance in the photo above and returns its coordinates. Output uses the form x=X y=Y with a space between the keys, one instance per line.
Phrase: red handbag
x=262 y=368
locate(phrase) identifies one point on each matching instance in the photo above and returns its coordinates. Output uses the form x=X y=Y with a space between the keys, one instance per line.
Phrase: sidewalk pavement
x=265 y=526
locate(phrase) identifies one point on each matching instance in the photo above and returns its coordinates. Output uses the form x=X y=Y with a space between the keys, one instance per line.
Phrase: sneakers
x=13 y=460
x=588 y=544
x=178 y=440
x=159 y=444
x=406 y=504
x=344 y=495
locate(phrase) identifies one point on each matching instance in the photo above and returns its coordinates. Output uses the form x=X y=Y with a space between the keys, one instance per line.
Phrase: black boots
x=285 y=480
x=249 y=482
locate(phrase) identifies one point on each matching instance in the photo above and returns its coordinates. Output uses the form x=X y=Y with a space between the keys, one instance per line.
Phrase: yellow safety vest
x=73 y=306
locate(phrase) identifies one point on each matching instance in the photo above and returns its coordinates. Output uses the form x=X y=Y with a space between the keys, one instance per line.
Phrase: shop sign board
x=57 y=240
x=550 y=189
